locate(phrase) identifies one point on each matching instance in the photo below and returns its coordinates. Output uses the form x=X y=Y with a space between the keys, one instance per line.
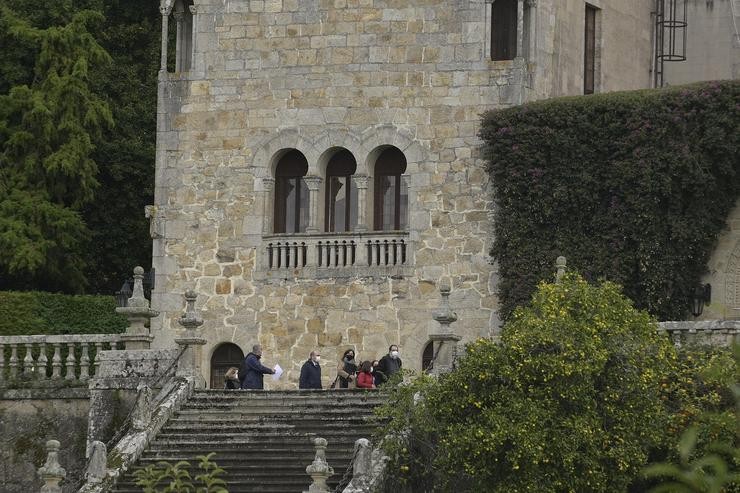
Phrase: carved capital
x=268 y=183
x=313 y=182
x=193 y=9
x=361 y=181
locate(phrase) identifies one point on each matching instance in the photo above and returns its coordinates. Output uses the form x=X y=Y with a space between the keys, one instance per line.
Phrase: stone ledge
x=45 y=393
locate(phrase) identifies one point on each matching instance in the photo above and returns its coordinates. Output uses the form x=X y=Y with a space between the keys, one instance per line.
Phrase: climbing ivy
x=633 y=187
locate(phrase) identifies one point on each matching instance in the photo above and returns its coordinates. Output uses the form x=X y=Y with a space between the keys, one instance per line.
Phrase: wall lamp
x=701 y=296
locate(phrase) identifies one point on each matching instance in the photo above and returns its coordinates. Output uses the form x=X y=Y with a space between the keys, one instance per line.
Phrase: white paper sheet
x=278 y=372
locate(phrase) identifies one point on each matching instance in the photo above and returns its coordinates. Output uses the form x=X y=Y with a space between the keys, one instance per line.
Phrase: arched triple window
x=291 y=194
x=340 y=212
x=224 y=357
x=391 y=196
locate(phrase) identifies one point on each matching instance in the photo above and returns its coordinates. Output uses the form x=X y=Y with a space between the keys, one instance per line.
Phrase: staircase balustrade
x=713 y=332
x=68 y=357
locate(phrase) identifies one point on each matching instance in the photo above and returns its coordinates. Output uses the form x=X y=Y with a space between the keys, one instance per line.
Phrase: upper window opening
x=391 y=191
x=182 y=12
x=589 y=59
x=291 y=193
x=503 y=30
x=341 y=193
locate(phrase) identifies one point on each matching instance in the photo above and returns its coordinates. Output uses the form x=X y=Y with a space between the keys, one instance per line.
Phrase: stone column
x=51 y=473
x=319 y=470
x=445 y=341
x=313 y=183
x=361 y=182
x=191 y=341
x=520 y=29
x=165 y=12
x=179 y=16
x=532 y=29
x=268 y=204
x=138 y=313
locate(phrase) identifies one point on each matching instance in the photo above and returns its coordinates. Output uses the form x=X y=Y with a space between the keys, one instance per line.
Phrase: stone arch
x=223 y=356
x=390 y=135
x=336 y=139
x=268 y=153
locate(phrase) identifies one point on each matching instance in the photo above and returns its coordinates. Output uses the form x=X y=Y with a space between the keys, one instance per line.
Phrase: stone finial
x=560 y=265
x=444 y=314
x=51 y=473
x=138 y=314
x=362 y=469
x=97 y=465
x=319 y=470
x=141 y=415
x=191 y=319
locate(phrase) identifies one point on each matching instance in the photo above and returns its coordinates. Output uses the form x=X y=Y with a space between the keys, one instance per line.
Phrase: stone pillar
x=138 y=313
x=362 y=468
x=560 y=265
x=191 y=341
x=97 y=465
x=445 y=341
x=313 y=183
x=165 y=12
x=51 y=473
x=361 y=182
x=520 y=29
x=532 y=29
x=268 y=205
x=319 y=470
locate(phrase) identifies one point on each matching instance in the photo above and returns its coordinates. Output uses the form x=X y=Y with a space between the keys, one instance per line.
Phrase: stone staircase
x=262 y=438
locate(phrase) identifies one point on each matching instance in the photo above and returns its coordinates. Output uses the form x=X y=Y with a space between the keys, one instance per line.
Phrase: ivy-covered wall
x=32 y=312
x=633 y=187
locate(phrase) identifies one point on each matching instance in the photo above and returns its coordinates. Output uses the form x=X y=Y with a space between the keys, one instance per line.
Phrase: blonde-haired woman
x=231 y=379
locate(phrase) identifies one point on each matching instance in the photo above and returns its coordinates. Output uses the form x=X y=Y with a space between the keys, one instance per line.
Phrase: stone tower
x=318 y=164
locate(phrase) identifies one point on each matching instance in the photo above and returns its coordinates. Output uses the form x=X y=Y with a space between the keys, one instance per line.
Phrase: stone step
x=244 y=441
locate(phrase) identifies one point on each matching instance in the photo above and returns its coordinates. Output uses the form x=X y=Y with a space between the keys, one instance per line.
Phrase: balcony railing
x=714 y=332
x=335 y=254
x=53 y=357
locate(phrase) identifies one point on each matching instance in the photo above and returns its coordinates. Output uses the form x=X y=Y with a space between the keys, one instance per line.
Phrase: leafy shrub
x=570 y=400
x=176 y=478
x=24 y=313
x=632 y=186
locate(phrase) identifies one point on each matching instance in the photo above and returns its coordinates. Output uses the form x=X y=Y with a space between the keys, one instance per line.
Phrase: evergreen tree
x=47 y=130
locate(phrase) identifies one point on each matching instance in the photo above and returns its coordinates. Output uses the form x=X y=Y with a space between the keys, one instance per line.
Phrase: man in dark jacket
x=311 y=372
x=253 y=370
x=390 y=363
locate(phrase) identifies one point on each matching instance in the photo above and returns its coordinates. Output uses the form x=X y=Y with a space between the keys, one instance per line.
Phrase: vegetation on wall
x=633 y=187
x=73 y=186
x=23 y=313
x=580 y=394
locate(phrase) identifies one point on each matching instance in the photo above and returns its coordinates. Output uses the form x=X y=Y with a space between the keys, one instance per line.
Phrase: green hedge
x=633 y=187
x=33 y=312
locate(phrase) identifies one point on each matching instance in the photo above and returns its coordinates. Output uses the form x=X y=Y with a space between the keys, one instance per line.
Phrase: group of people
x=367 y=375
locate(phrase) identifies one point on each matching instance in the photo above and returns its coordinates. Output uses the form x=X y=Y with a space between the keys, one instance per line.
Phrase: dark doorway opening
x=224 y=357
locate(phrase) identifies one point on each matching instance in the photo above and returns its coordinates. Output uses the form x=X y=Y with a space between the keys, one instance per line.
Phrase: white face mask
x=317 y=359
x=394 y=354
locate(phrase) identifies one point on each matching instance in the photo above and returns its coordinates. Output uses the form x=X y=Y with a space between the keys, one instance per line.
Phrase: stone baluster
x=269 y=185
x=361 y=182
x=56 y=362
x=98 y=348
x=13 y=360
x=41 y=362
x=28 y=361
x=138 y=313
x=84 y=363
x=70 y=374
x=51 y=473
x=319 y=470
x=445 y=341
x=191 y=341
x=313 y=183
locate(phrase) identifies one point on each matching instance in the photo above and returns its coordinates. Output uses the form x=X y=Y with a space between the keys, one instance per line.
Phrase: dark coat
x=253 y=372
x=231 y=383
x=310 y=376
x=388 y=366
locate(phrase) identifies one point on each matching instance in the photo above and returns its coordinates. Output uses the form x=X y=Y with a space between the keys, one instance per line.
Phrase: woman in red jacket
x=365 y=377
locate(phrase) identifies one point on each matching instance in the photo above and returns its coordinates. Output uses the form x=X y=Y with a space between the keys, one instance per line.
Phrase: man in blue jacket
x=311 y=372
x=252 y=370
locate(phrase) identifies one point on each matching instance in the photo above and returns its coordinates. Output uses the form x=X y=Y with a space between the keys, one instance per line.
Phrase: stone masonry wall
x=30 y=417
x=317 y=75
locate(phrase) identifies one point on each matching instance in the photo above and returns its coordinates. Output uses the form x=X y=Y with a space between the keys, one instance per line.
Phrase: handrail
x=60 y=338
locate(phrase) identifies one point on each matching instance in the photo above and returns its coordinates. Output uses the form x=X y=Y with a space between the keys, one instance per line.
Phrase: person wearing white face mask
x=311 y=372
x=390 y=363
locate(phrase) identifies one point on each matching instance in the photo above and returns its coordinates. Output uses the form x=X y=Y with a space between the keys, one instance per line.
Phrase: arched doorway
x=225 y=356
x=427 y=356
